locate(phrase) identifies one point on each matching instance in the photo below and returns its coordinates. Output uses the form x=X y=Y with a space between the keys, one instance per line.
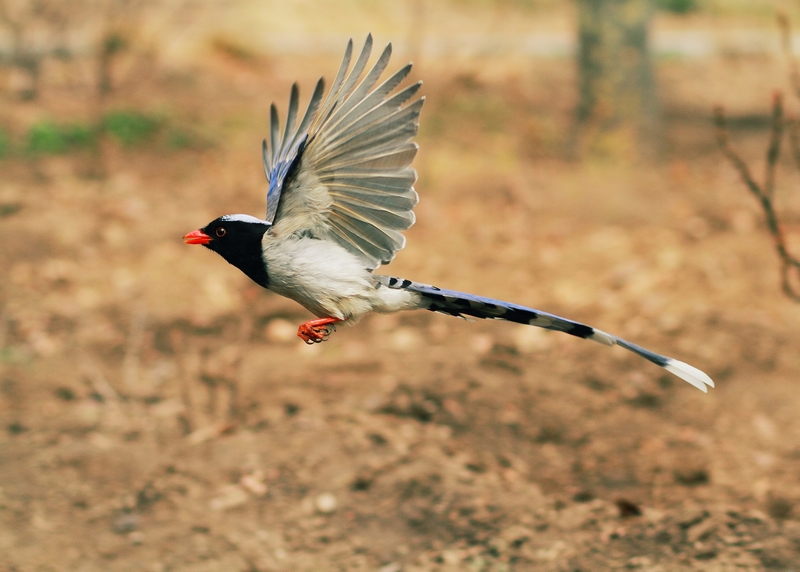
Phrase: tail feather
x=463 y=305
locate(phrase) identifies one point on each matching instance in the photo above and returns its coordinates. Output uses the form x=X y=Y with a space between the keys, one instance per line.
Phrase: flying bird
x=341 y=192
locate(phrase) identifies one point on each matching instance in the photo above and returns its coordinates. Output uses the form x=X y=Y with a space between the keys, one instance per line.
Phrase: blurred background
x=159 y=413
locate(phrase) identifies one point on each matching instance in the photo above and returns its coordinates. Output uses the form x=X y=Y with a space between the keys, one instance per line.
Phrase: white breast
x=327 y=279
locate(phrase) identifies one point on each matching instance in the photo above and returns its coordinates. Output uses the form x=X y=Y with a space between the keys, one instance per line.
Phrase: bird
x=340 y=194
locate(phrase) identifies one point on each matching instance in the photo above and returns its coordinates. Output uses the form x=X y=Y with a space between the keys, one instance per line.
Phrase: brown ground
x=158 y=412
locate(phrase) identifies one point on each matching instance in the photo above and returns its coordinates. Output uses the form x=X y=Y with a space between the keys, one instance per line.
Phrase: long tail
x=460 y=304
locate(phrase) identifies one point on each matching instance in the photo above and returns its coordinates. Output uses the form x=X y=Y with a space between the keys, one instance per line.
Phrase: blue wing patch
x=283 y=153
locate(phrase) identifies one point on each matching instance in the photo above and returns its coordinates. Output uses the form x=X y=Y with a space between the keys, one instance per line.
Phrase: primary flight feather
x=340 y=194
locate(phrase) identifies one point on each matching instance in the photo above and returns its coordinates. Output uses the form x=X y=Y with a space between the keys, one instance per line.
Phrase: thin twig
x=794 y=138
x=786 y=44
x=764 y=192
x=794 y=76
x=774 y=148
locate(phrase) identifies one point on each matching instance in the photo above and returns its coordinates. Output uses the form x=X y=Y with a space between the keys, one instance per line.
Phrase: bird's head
x=237 y=238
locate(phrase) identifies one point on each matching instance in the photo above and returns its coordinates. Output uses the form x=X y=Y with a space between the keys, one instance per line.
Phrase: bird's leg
x=316 y=331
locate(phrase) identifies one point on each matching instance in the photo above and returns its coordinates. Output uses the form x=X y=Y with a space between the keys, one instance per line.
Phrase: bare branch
x=723 y=140
x=786 y=44
x=774 y=148
x=764 y=192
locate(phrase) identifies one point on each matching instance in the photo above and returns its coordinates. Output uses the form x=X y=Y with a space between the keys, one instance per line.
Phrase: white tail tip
x=689 y=374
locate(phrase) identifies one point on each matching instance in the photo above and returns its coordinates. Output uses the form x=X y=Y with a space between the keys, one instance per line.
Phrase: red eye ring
x=220 y=232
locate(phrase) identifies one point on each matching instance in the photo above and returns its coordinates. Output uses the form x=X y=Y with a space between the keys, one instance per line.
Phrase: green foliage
x=528 y=5
x=8 y=209
x=130 y=127
x=677 y=6
x=80 y=136
x=46 y=137
x=49 y=138
x=114 y=43
x=178 y=138
x=5 y=144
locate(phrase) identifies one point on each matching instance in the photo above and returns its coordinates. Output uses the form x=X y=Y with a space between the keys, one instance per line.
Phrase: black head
x=237 y=238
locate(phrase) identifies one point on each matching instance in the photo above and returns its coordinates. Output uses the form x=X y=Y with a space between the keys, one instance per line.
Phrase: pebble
x=125 y=522
x=168 y=408
x=532 y=340
x=230 y=496
x=405 y=339
x=208 y=432
x=254 y=483
x=481 y=344
x=326 y=503
x=280 y=331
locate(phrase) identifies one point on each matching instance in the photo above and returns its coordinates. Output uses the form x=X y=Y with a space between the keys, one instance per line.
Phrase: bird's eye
x=220 y=232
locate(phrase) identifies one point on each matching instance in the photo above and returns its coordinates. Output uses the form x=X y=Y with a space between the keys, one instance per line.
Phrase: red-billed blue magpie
x=341 y=191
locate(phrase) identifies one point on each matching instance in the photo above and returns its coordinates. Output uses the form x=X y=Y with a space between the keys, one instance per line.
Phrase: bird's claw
x=312 y=333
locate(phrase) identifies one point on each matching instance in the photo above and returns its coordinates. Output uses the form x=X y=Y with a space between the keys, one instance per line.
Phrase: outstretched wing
x=348 y=178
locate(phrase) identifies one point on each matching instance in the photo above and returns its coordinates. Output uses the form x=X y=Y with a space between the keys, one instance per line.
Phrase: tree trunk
x=618 y=110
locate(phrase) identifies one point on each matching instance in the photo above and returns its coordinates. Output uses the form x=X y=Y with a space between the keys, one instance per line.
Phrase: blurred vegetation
x=51 y=138
x=758 y=8
x=8 y=209
x=727 y=7
x=522 y=4
x=5 y=144
x=178 y=138
x=752 y=8
x=131 y=127
x=677 y=6
x=111 y=45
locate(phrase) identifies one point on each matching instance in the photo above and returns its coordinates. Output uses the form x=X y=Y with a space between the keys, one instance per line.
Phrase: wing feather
x=291 y=117
x=395 y=183
x=371 y=111
x=336 y=86
x=383 y=123
x=308 y=117
x=275 y=130
x=380 y=161
x=375 y=242
x=358 y=69
x=343 y=173
x=282 y=152
x=379 y=94
x=363 y=89
x=369 y=198
x=392 y=219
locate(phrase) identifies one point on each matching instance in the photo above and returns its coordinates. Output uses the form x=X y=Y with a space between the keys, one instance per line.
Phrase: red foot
x=316 y=331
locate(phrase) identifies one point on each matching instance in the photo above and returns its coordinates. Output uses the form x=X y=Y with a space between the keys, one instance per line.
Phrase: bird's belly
x=320 y=275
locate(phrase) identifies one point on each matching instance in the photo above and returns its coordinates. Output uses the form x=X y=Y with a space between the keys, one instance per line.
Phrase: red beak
x=197 y=237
